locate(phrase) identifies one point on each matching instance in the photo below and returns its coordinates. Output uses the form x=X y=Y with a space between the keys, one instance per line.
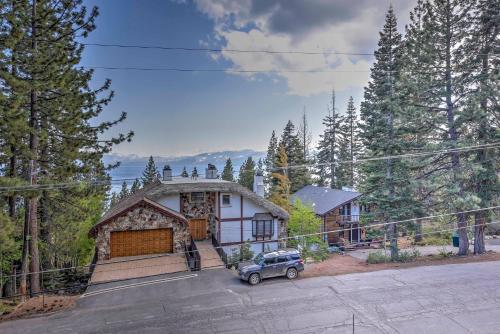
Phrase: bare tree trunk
x=483 y=183
x=23 y=287
x=12 y=199
x=393 y=228
x=33 y=201
x=479 y=227
x=452 y=132
x=333 y=172
x=418 y=230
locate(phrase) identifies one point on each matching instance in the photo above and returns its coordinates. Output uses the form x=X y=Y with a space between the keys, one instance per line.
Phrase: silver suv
x=283 y=262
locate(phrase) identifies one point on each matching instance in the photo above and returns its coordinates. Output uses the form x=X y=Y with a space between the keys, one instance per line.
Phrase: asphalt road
x=460 y=298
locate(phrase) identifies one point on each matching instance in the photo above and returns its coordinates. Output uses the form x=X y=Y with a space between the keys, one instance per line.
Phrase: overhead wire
x=50 y=186
x=254 y=242
x=234 y=50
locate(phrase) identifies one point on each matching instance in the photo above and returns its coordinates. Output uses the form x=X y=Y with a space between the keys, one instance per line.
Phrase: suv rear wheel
x=254 y=279
x=292 y=273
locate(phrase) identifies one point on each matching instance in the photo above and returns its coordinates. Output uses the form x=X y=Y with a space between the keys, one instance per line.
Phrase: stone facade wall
x=205 y=209
x=141 y=218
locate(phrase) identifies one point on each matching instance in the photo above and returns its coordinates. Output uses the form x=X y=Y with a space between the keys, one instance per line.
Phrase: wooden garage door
x=131 y=243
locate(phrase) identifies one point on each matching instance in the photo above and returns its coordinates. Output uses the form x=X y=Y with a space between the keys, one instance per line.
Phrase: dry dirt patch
x=40 y=305
x=345 y=264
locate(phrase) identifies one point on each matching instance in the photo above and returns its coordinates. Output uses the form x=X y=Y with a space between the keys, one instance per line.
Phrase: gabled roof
x=132 y=201
x=323 y=199
x=186 y=185
x=155 y=191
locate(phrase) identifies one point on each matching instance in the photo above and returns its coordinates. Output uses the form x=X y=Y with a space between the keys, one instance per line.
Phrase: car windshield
x=258 y=259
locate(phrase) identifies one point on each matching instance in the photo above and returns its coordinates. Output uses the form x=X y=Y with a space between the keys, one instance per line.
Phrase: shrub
x=403 y=256
x=378 y=257
x=244 y=253
x=317 y=250
x=444 y=253
x=408 y=256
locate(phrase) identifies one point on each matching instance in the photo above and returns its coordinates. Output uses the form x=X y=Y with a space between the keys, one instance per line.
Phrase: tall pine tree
x=150 y=173
x=385 y=182
x=329 y=148
x=184 y=172
x=228 y=172
x=350 y=146
x=58 y=142
x=135 y=186
x=298 y=174
x=247 y=173
x=280 y=184
x=124 y=192
x=269 y=161
x=482 y=109
x=442 y=94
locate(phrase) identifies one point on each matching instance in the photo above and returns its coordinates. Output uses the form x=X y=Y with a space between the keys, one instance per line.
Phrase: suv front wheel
x=254 y=279
x=292 y=273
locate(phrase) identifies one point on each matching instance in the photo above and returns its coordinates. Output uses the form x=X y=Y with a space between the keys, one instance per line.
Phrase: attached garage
x=142 y=242
x=139 y=226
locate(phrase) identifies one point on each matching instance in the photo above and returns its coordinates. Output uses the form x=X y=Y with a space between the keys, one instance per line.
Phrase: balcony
x=348 y=218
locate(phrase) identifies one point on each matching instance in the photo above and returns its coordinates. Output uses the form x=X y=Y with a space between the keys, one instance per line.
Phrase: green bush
x=316 y=249
x=378 y=257
x=444 y=253
x=244 y=253
x=408 y=256
x=403 y=256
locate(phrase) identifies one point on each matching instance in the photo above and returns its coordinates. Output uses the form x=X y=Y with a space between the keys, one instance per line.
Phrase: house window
x=262 y=229
x=226 y=200
x=346 y=210
x=197 y=197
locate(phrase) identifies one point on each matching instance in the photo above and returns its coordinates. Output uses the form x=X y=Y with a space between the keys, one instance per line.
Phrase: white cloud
x=322 y=26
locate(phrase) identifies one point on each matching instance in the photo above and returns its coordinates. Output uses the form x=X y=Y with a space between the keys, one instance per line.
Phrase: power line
x=231 y=50
x=297 y=236
x=216 y=70
x=52 y=186
x=406 y=155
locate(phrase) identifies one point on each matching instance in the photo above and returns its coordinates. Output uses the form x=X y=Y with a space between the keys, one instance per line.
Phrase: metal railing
x=192 y=256
x=349 y=218
x=219 y=249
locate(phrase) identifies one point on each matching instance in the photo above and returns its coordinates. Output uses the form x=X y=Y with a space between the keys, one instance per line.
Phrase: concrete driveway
x=123 y=268
x=462 y=298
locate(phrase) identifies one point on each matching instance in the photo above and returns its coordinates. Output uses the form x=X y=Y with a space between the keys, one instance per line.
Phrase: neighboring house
x=163 y=217
x=339 y=211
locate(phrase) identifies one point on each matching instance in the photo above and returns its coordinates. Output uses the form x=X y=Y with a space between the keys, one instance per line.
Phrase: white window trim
x=222 y=200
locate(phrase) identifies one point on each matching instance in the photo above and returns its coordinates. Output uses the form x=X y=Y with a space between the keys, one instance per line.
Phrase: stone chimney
x=167 y=173
x=211 y=172
x=258 y=183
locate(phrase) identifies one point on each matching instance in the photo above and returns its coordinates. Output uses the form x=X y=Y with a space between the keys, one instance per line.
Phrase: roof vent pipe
x=167 y=173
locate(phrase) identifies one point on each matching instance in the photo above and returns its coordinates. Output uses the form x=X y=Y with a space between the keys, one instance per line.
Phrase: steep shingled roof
x=131 y=201
x=324 y=199
x=187 y=185
x=157 y=190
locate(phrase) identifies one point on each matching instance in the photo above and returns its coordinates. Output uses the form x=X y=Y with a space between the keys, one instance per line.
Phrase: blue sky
x=187 y=113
